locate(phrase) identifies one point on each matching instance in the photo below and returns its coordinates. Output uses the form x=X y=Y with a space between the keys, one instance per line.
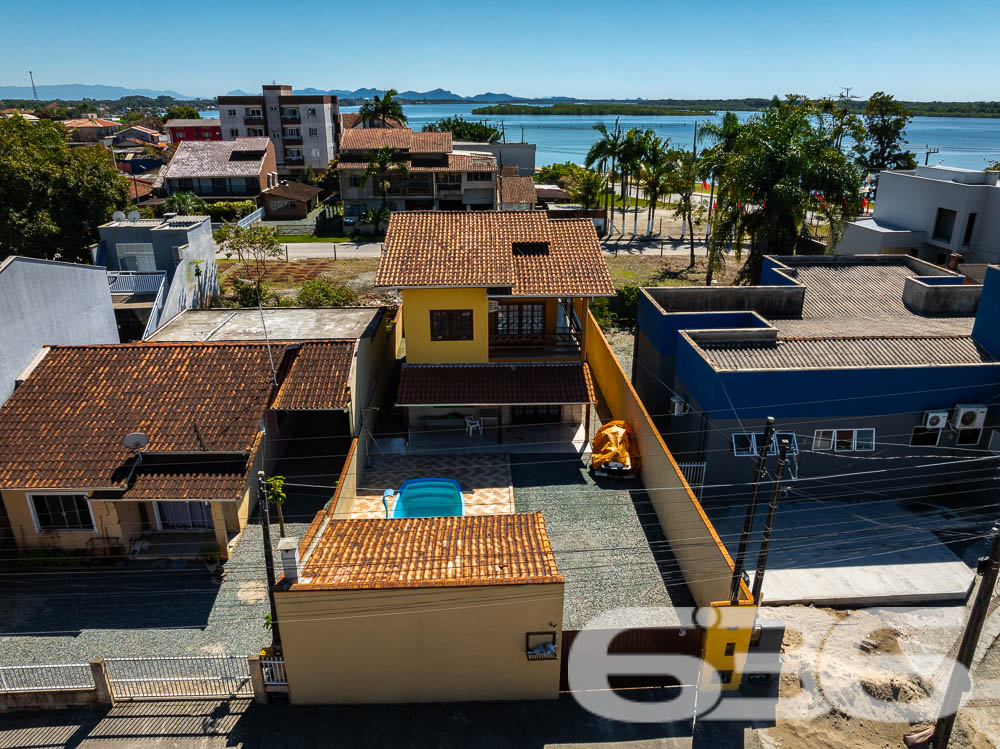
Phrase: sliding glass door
x=184 y=515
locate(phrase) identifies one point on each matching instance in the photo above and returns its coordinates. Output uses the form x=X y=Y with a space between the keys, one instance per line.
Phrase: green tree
x=276 y=496
x=782 y=158
x=186 y=204
x=318 y=292
x=604 y=153
x=253 y=246
x=381 y=167
x=383 y=108
x=587 y=187
x=377 y=218
x=52 y=197
x=656 y=175
x=558 y=174
x=182 y=112
x=462 y=129
x=994 y=167
x=882 y=145
x=685 y=177
x=713 y=159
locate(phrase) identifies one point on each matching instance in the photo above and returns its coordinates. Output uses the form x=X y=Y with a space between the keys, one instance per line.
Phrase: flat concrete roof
x=283 y=324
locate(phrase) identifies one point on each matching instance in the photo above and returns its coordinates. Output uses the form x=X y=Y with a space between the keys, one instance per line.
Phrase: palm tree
x=381 y=166
x=587 y=187
x=628 y=162
x=685 y=176
x=607 y=150
x=383 y=108
x=185 y=203
x=713 y=161
x=655 y=175
x=644 y=143
x=377 y=217
x=781 y=158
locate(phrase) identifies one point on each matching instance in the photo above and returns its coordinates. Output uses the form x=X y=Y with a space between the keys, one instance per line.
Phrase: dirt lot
x=285 y=278
x=833 y=694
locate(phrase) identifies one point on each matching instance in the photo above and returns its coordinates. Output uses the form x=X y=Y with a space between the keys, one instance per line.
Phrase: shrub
x=601 y=309
x=230 y=210
x=628 y=298
x=247 y=293
x=318 y=292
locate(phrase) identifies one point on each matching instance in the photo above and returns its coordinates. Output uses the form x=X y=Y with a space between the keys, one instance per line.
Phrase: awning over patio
x=495 y=384
x=166 y=476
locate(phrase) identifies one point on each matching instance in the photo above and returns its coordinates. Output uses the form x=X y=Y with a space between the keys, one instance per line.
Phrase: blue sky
x=613 y=48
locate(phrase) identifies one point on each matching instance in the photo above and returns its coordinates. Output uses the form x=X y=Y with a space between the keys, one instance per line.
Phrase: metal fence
x=41 y=678
x=251 y=218
x=154 y=313
x=196 y=676
x=135 y=282
x=694 y=474
x=273 y=670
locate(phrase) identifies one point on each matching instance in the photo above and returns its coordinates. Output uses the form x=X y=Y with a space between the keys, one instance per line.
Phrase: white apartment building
x=304 y=129
x=931 y=212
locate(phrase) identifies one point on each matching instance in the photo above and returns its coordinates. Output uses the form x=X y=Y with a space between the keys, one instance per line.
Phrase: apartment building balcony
x=291 y=140
x=563 y=344
x=253 y=121
x=291 y=119
x=294 y=160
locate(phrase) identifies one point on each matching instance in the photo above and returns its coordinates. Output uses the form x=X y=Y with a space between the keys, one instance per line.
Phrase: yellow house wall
x=701 y=556
x=23 y=528
x=420 y=349
x=448 y=644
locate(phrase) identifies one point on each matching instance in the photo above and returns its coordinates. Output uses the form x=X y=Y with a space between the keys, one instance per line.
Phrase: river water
x=964 y=142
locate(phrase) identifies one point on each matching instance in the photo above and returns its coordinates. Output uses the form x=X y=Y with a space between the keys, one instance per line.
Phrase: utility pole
x=268 y=557
x=927 y=155
x=34 y=89
x=741 y=551
x=959 y=682
x=765 y=541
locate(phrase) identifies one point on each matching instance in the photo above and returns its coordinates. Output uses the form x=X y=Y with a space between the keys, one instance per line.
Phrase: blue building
x=866 y=363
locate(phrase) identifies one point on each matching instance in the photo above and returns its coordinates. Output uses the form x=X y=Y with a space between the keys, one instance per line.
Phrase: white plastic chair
x=472 y=425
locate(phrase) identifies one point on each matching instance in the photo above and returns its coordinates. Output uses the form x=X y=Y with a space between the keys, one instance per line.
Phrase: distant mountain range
x=437 y=94
x=78 y=91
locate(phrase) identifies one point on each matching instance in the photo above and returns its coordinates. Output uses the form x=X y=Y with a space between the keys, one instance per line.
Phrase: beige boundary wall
x=701 y=556
x=402 y=645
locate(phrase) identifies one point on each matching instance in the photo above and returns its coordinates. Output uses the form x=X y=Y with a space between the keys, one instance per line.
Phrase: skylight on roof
x=530 y=248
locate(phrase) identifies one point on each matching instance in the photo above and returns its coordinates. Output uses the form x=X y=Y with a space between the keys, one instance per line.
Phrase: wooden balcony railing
x=562 y=343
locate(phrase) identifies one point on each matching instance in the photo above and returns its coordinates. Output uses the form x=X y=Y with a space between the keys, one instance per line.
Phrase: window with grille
x=62 y=512
x=521 y=318
x=451 y=325
x=136 y=256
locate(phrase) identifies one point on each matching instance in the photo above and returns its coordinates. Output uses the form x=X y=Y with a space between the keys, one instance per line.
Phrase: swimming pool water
x=428 y=498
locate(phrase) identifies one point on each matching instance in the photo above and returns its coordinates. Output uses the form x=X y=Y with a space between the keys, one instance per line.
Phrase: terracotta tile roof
x=214 y=158
x=142 y=129
x=63 y=428
x=188 y=477
x=525 y=250
x=494 y=384
x=517 y=190
x=400 y=139
x=88 y=122
x=459 y=551
x=293 y=191
x=318 y=379
x=139 y=188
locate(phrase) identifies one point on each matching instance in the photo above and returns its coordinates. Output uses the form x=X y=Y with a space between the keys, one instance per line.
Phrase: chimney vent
x=291 y=565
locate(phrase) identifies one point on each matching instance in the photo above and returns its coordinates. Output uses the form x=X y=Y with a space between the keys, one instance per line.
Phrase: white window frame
x=833 y=440
x=254 y=112
x=313 y=132
x=311 y=112
x=128 y=249
x=234 y=132
x=34 y=516
x=232 y=112
x=292 y=132
x=293 y=153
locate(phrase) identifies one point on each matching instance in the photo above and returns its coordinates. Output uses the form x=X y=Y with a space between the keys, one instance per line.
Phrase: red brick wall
x=270 y=165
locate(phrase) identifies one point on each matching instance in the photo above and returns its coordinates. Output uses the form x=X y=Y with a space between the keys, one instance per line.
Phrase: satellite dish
x=118 y=216
x=134 y=215
x=135 y=440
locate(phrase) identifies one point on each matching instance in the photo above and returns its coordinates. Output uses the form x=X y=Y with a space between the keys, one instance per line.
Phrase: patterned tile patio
x=484 y=478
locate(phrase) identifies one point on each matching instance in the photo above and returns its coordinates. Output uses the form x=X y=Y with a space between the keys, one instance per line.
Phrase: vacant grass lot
x=643 y=270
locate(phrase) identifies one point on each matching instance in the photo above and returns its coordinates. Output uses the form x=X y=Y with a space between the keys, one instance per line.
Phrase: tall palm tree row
x=607 y=151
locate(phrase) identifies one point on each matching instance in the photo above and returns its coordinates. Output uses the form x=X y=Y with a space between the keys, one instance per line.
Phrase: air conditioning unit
x=493 y=305
x=935 y=419
x=678 y=406
x=966 y=416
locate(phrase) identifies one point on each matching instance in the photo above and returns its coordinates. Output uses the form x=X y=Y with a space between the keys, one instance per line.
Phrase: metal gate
x=196 y=676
